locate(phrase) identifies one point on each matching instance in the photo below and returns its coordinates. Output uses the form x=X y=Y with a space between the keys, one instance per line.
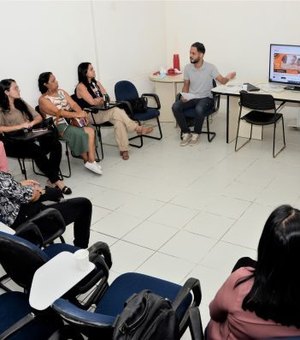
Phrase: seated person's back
x=263 y=301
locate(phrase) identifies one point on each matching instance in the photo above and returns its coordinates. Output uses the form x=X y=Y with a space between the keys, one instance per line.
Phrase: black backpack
x=146 y=316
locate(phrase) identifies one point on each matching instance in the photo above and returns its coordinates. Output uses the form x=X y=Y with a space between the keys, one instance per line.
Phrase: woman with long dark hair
x=90 y=92
x=16 y=114
x=262 y=299
x=57 y=102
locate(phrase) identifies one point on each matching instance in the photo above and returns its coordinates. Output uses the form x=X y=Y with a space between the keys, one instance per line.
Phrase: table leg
x=232 y=114
x=166 y=93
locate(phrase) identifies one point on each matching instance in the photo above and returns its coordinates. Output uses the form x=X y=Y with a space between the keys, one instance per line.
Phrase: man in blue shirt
x=198 y=82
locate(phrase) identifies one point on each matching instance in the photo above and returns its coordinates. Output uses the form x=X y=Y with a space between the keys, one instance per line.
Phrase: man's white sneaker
x=195 y=139
x=186 y=137
x=94 y=167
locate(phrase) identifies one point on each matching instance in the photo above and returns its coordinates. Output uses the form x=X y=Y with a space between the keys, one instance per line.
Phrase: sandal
x=124 y=155
x=143 y=130
x=65 y=190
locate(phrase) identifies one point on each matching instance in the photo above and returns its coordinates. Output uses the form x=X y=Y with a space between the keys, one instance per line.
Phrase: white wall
x=236 y=34
x=131 y=39
x=39 y=36
x=119 y=38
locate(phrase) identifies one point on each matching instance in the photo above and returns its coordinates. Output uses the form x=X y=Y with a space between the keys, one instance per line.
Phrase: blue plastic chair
x=100 y=323
x=125 y=91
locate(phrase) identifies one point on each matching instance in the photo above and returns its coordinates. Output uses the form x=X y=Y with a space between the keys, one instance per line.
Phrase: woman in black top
x=90 y=92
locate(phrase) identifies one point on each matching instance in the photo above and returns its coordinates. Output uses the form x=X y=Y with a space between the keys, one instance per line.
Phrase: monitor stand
x=292 y=87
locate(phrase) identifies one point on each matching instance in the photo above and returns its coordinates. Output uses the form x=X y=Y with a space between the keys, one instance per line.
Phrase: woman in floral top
x=21 y=201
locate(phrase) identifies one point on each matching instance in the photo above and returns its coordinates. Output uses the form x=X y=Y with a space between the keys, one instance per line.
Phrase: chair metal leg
x=237 y=136
x=98 y=159
x=60 y=174
x=137 y=145
x=160 y=136
x=34 y=170
x=68 y=160
x=98 y=131
x=210 y=134
x=159 y=129
x=22 y=166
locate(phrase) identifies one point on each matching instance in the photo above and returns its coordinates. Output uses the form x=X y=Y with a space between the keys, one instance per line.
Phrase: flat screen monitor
x=284 y=64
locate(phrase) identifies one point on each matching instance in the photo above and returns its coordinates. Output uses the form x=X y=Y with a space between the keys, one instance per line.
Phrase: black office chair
x=258 y=104
x=125 y=92
x=190 y=115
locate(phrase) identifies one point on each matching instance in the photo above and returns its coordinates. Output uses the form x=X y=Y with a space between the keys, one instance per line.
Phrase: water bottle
x=176 y=62
x=106 y=101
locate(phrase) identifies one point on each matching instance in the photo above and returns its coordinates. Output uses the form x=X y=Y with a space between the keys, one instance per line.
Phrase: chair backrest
x=20 y=259
x=43 y=228
x=257 y=101
x=37 y=109
x=125 y=91
x=76 y=100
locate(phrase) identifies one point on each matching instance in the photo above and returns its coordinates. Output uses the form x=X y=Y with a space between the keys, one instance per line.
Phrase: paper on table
x=188 y=96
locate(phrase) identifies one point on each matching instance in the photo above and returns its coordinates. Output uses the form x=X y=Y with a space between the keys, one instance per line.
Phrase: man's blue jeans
x=203 y=107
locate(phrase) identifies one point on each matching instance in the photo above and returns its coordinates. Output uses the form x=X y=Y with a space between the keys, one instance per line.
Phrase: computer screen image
x=284 y=64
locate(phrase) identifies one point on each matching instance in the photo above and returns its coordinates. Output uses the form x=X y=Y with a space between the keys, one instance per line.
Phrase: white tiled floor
x=176 y=212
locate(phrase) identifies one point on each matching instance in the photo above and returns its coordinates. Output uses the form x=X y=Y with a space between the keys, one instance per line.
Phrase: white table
x=55 y=278
x=232 y=93
x=6 y=229
x=167 y=88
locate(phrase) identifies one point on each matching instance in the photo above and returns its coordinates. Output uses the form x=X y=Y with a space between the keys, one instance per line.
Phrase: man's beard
x=194 y=61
